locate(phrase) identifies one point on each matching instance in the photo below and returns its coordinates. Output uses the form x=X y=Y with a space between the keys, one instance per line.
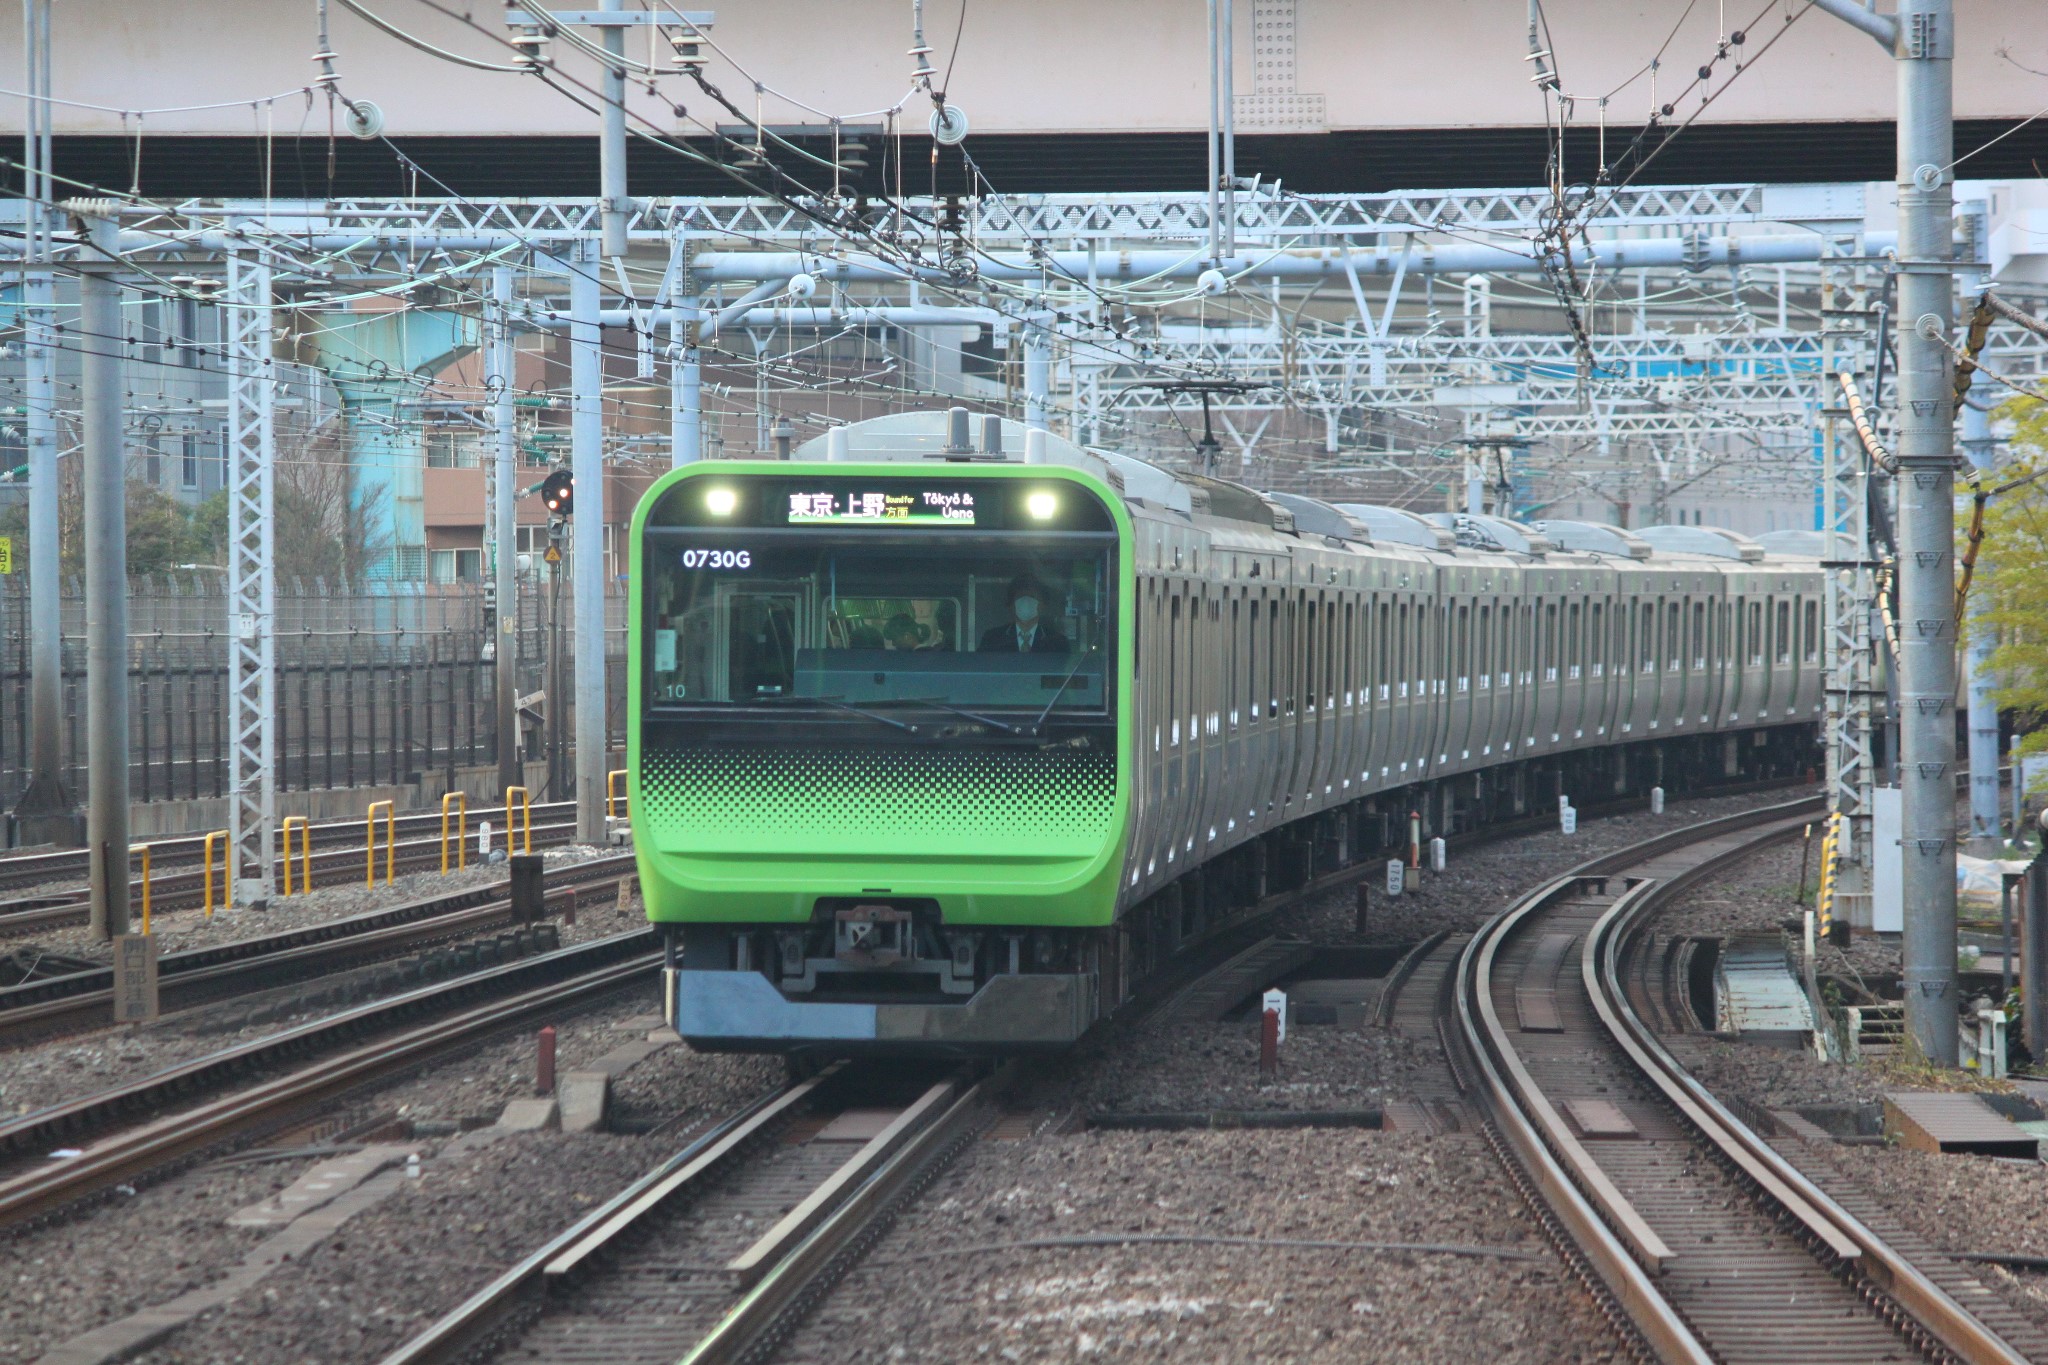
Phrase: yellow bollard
x=611 y=789
x=390 y=843
x=461 y=800
x=526 y=809
x=143 y=849
x=226 y=887
x=305 y=829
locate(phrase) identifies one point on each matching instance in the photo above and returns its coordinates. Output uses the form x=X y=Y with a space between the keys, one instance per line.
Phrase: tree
x=2012 y=576
x=162 y=532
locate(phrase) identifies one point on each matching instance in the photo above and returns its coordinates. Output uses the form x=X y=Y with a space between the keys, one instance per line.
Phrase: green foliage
x=2012 y=576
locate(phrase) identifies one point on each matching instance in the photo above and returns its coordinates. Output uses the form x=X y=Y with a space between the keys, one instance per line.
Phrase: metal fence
x=373 y=686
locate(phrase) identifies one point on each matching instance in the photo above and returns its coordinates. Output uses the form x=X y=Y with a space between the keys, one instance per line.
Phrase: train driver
x=1027 y=631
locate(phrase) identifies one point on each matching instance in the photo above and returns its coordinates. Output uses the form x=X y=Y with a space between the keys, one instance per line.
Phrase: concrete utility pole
x=106 y=572
x=505 y=529
x=47 y=811
x=1921 y=39
x=586 y=445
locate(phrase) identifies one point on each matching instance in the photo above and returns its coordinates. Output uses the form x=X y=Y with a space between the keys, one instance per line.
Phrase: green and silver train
x=946 y=736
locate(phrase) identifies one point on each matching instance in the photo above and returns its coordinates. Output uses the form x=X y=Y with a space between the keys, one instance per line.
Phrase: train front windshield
x=871 y=617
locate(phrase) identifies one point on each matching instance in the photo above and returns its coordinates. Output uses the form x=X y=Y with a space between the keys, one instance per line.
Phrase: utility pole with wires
x=1921 y=40
x=48 y=810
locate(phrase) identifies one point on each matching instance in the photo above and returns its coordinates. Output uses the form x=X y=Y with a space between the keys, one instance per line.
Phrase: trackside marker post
x=1436 y=854
x=1397 y=873
x=1272 y=1032
x=1656 y=800
x=544 y=1063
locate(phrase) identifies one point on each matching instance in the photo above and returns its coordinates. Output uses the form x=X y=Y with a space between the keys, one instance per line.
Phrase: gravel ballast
x=949 y=1284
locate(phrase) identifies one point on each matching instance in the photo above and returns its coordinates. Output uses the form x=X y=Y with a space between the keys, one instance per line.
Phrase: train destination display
x=917 y=507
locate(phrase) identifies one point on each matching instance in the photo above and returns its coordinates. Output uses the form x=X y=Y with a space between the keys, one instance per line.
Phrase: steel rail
x=1957 y=1330
x=772 y=1307
x=1604 y=1229
x=598 y=968
x=83 y=999
x=186 y=890
x=20 y=867
x=499 y=1305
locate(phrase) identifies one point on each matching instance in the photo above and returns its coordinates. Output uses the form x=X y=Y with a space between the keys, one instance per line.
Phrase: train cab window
x=1784 y=632
x=733 y=617
x=1810 y=645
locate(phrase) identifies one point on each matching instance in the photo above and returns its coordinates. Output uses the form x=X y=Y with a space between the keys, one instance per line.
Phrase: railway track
x=1704 y=1243
x=710 y=1255
x=63 y=1003
x=151 y=1124
x=338 y=856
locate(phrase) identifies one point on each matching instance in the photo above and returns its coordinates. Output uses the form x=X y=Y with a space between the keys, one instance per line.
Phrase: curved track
x=1694 y=1230
x=84 y=999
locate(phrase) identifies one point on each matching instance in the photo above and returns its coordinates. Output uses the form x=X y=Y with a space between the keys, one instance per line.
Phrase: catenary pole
x=106 y=576
x=612 y=143
x=47 y=811
x=586 y=444
x=505 y=528
x=1921 y=39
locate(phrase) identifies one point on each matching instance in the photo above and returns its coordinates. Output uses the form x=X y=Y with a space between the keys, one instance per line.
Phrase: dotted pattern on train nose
x=1051 y=794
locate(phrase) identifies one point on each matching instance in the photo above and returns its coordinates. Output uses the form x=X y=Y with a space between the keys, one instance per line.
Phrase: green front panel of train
x=742 y=816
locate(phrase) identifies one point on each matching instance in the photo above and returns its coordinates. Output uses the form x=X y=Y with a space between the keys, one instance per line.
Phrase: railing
x=372 y=689
x=461 y=813
x=370 y=843
x=305 y=829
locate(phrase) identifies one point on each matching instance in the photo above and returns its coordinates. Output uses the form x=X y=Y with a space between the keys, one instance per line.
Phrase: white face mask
x=1027 y=609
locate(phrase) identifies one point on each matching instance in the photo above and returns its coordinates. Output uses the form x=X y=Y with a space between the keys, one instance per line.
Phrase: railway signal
x=558 y=493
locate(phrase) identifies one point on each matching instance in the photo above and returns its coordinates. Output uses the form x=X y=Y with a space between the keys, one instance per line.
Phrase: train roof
x=959 y=436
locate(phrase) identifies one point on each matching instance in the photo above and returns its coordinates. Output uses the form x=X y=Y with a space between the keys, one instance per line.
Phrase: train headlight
x=720 y=501
x=1042 y=506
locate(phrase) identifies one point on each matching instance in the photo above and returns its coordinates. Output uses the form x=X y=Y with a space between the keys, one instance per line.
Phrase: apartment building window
x=451 y=449
x=188 y=460
x=456 y=566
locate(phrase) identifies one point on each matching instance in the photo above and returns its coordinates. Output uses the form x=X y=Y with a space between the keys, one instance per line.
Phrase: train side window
x=1699 y=635
x=1236 y=650
x=1596 y=638
x=1572 y=658
x=1309 y=646
x=1401 y=650
x=1756 y=634
x=1295 y=606
x=1252 y=656
x=1173 y=669
x=1784 y=631
x=1482 y=645
x=1810 y=647
x=1383 y=647
x=1350 y=677
x=1671 y=641
x=1329 y=653
x=1462 y=668
x=1547 y=648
